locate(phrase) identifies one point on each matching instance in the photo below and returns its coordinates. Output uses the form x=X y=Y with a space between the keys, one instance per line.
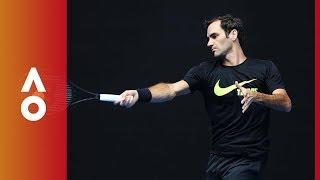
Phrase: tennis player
x=239 y=93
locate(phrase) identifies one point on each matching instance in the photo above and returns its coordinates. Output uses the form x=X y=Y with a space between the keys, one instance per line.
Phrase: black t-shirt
x=234 y=132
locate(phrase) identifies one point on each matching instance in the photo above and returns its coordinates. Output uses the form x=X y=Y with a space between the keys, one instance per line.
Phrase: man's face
x=218 y=42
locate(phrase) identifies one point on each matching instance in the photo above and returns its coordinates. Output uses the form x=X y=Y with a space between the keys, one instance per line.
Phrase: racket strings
x=76 y=94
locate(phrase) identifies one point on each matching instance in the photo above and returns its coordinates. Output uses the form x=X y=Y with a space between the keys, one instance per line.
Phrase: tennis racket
x=76 y=94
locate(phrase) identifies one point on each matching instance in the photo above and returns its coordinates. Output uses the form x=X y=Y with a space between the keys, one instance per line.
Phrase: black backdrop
x=116 y=45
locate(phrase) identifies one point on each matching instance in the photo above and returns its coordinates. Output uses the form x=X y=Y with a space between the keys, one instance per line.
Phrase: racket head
x=76 y=94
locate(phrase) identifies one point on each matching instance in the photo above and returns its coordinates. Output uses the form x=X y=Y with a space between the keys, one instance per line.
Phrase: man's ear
x=233 y=35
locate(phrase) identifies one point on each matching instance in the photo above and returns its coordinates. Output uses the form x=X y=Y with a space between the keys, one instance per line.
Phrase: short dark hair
x=228 y=23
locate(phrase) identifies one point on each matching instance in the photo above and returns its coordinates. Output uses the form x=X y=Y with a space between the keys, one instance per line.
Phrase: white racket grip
x=109 y=97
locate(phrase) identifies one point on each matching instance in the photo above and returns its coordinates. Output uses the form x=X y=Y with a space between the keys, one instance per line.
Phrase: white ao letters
x=33 y=76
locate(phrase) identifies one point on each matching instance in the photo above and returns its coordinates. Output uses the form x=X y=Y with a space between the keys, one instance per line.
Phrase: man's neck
x=234 y=57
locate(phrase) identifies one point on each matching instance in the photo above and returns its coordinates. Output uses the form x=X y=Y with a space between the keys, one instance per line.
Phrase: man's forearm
x=161 y=92
x=278 y=102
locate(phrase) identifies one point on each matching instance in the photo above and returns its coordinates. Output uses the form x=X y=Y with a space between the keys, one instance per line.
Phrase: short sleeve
x=194 y=78
x=273 y=79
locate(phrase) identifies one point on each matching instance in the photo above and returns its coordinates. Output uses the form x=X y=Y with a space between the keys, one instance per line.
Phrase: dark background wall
x=116 y=45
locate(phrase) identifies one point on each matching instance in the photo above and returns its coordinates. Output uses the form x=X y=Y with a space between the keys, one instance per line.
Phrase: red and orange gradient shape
x=33 y=34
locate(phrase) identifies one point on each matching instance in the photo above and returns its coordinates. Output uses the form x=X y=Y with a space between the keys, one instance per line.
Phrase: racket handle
x=109 y=97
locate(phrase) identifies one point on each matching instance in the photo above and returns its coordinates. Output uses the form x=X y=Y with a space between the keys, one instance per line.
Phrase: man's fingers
x=130 y=102
x=130 y=99
x=124 y=101
x=244 y=110
x=127 y=99
x=244 y=100
x=237 y=84
x=123 y=95
x=246 y=105
x=247 y=102
x=247 y=99
x=242 y=89
x=121 y=100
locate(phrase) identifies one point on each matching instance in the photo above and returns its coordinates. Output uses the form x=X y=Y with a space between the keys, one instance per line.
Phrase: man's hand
x=128 y=98
x=248 y=97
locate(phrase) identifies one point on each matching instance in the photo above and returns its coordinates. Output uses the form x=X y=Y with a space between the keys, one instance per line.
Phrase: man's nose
x=210 y=43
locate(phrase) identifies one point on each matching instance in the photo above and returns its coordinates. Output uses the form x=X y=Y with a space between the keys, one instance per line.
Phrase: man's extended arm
x=160 y=92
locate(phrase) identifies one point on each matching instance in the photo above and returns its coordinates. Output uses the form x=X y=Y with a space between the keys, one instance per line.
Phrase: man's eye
x=213 y=36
